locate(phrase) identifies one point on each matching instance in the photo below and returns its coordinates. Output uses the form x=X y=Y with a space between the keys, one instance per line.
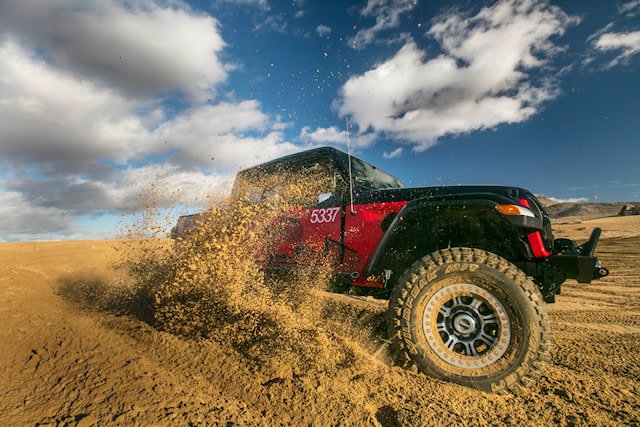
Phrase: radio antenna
x=350 y=174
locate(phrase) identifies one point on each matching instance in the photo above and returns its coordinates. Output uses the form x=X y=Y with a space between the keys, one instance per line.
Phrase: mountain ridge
x=583 y=210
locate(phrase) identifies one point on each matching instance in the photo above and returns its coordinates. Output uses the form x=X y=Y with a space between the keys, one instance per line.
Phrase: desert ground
x=65 y=361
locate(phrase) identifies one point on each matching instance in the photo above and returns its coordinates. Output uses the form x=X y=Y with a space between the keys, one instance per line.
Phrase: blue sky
x=108 y=107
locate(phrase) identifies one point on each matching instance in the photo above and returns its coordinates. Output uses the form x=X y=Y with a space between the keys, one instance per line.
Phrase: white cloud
x=628 y=44
x=144 y=49
x=65 y=129
x=69 y=193
x=223 y=137
x=566 y=200
x=606 y=41
x=261 y=4
x=393 y=154
x=332 y=135
x=323 y=30
x=23 y=221
x=275 y=23
x=80 y=138
x=165 y=186
x=478 y=82
x=57 y=122
x=387 y=14
x=630 y=9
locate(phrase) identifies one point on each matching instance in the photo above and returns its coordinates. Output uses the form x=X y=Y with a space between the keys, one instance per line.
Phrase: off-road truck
x=467 y=269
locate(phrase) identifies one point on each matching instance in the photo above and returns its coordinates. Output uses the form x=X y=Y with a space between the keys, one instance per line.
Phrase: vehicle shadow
x=91 y=291
x=254 y=335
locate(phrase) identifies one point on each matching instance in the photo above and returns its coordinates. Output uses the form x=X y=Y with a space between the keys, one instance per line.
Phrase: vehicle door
x=310 y=233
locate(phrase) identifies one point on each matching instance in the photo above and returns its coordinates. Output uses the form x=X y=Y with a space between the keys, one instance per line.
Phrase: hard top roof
x=302 y=157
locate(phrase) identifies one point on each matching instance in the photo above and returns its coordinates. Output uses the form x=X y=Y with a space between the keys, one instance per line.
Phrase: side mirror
x=324 y=196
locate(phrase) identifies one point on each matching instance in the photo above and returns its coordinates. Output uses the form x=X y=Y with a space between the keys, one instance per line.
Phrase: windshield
x=370 y=177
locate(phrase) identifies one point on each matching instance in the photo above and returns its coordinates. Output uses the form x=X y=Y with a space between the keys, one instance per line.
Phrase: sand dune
x=64 y=362
x=612 y=227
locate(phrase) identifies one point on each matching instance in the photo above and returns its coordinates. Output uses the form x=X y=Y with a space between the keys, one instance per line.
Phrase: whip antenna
x=350 y=175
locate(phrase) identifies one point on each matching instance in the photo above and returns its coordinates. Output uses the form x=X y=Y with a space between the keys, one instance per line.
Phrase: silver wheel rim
x=466 y=326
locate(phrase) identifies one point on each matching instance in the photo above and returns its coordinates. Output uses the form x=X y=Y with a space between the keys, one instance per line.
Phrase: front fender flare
x=474 y=211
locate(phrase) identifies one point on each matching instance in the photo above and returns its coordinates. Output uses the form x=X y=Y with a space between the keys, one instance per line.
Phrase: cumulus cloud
x=138 y=49
x=393 y=154
x=223 y=137
x=333 y=136
x=165 y=186
x=387 y=14
x=83 y=133
x=56 y=122
x=71 y=194
x=23 y=221
x=480 y=80
x=157 y=185
x=72 y=132
x=323 y=30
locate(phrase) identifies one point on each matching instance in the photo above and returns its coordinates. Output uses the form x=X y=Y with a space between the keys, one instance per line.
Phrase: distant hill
x=582 y=210
x=546 y=201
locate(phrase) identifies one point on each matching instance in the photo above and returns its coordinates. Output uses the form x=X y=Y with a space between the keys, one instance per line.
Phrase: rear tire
x=470 y=317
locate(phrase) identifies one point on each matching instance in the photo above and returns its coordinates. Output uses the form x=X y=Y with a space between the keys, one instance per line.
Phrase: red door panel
x=363 y=230
x=308 y=237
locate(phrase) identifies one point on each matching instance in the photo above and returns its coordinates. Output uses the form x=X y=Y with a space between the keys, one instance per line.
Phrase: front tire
x=470 y=317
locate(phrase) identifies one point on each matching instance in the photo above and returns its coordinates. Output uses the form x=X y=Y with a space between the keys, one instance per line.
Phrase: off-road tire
x=444 y=282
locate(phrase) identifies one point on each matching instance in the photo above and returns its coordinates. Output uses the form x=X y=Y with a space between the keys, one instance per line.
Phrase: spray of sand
x=208 y=284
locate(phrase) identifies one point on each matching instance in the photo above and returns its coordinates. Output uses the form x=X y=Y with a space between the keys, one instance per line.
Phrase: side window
x=318 y=179
x=254 y=194
x=246 y=189
x=270 y=196
x=300 y=185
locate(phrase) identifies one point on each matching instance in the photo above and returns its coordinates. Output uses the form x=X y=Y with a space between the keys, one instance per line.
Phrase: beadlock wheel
x=466 y=326
x=468 y=316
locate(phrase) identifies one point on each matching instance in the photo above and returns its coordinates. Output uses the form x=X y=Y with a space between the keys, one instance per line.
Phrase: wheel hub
x=466 y=325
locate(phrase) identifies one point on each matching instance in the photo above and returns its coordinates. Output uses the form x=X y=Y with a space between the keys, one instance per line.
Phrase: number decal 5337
x=324 y=215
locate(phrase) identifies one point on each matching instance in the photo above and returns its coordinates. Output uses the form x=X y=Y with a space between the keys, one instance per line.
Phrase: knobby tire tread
x=414 y=279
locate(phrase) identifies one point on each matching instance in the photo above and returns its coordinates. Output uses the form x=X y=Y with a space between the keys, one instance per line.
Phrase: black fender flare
x=471 y=210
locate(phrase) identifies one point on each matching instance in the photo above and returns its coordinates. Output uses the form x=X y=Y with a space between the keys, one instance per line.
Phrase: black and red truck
x=467 y=269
